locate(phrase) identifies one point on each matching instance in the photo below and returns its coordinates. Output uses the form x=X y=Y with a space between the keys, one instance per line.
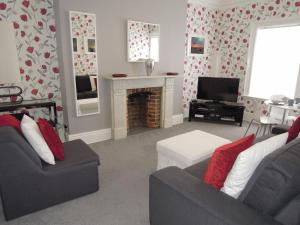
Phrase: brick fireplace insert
x=143 y=108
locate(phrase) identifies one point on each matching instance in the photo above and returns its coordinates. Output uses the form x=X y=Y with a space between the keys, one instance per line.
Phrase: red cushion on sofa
x=294 y=130
x=223 y=159
x=52 y=139
x=9 y=120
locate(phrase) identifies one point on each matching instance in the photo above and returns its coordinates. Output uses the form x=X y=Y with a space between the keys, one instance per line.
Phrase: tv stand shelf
x=217 y=111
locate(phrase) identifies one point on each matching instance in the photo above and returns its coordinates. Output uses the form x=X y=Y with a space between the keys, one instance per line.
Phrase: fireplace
x=143 y=108
x=161 y=88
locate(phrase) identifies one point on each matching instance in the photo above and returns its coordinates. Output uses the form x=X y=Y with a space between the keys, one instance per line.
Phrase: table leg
x=283 y=118
x=55 y=114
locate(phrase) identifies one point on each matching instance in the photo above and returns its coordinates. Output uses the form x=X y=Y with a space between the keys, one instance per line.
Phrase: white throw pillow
x=247 y=162
x=33 y=135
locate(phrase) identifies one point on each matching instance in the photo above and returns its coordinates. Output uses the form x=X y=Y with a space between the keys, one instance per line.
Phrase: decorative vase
x=149 y=64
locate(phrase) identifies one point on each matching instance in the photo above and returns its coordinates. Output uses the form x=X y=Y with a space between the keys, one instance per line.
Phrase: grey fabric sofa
x=271 y=197
x=27 y=184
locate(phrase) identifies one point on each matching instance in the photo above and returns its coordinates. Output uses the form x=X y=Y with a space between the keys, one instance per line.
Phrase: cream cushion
x=33 y=135
x=247 y=162
x=187 y=149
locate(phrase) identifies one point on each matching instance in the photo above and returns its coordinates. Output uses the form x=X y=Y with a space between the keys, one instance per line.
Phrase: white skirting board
x=177 y=119
x=92 y=136
x=105 y=134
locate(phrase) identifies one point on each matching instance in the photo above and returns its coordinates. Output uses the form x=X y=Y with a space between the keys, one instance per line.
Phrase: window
x=275 y=62
x=154 y=48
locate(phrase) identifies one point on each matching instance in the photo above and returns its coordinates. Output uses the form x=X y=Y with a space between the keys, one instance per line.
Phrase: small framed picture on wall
x=197 y=45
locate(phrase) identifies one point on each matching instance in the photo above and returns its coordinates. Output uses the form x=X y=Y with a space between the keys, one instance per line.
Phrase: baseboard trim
x=177 y=119
x=92 y=136
x=106 y=134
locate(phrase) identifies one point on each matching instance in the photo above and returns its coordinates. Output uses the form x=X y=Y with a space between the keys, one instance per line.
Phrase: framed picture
x=197 y=45
x=90 y=45
x=75 y=44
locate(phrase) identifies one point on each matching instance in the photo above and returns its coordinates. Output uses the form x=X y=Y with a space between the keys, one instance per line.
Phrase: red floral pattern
x=228 y=34
x=83 y=26
x=139 y=41
x=33 y=22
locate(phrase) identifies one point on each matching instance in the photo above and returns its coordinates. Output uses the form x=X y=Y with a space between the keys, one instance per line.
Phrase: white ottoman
x=187 y=149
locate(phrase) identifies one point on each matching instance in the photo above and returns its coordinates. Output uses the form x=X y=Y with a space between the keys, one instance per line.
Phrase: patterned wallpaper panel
x=83 y=27
x=35 y=30
x=229 y=34
x=139 y=39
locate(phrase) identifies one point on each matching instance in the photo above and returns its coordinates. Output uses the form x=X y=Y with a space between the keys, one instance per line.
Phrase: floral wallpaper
x=139 y=39
x=201 y=21
x=229 y=34
x=35 y=31
x=83 y=26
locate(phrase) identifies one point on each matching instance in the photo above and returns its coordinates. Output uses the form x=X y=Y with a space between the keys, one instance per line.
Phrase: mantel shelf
x=135 y=77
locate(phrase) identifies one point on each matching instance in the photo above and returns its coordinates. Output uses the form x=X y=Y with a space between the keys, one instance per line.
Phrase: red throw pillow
x=9 y=120
x=223 y=159
x=294 y=130
x=52 y=139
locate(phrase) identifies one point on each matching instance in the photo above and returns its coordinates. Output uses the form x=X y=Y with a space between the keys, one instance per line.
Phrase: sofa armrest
x=177 y=198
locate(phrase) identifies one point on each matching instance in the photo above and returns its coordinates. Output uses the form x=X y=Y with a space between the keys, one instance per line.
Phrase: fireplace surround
x=119 y=94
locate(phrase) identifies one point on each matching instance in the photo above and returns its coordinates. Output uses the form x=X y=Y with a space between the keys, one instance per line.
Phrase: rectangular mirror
x=143 y=41
x=85 y=66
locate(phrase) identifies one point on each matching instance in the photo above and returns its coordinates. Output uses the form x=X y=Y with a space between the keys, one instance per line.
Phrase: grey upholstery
x=27 y=185
x=198 y=170
x=9 y=134
x=277 y=180
x=271 y=197
x=178 y=198
x=290 y=214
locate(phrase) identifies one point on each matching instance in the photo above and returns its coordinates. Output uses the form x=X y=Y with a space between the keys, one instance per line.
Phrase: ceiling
x=221 y=3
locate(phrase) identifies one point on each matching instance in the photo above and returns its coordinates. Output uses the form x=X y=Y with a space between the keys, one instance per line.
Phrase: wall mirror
x=143 y=41
x=85 y=67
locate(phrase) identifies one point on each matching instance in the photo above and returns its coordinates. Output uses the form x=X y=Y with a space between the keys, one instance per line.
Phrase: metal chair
x=264 y=121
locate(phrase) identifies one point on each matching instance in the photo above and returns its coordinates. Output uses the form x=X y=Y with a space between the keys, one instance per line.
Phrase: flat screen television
x=218 y=89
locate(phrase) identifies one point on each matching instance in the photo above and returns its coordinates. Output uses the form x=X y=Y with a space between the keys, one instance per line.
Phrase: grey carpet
x=123 y=195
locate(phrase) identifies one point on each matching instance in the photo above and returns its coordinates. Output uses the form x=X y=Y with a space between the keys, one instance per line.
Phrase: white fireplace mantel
x=119 y=87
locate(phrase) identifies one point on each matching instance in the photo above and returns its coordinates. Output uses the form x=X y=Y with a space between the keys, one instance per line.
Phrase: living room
x=150 y=112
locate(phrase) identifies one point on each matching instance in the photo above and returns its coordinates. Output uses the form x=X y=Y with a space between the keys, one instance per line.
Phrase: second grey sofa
x=271 y=197
x=27 y=184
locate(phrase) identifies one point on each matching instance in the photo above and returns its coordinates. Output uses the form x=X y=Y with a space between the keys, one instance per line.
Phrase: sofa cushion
x=290 y=214
x=33 y=135
x=52 y=139
x=223 y=159
x=276 y=181
x=248 y=161
x=294 y=130
x=198 y=170
x=9 y=134
x=9 y=120
x=76 y=153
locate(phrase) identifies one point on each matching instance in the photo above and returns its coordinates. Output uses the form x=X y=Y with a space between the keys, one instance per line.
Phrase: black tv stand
x=217 y=111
